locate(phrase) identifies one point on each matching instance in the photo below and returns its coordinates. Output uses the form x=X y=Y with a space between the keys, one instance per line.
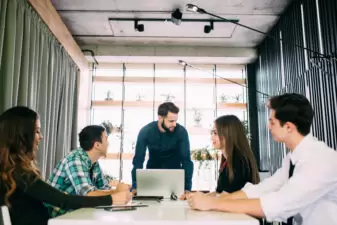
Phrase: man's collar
x=301 y=149
x=85 y=156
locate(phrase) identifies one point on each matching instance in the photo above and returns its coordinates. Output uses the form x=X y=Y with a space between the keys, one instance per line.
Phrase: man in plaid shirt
x=79 y=173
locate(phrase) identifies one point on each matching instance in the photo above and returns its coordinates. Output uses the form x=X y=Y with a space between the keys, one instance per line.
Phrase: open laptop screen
x=160 y=182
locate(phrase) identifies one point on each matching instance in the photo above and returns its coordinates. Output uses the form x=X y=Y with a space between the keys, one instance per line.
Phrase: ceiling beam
x=171 y=54
x=143 y=50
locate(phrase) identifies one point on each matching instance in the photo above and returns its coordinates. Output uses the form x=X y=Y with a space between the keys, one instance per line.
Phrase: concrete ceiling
x=89 y=23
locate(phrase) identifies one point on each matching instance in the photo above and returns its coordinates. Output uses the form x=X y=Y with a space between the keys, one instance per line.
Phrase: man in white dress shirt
x=309 y=194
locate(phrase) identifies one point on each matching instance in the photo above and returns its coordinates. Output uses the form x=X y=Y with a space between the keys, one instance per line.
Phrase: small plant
x=139 y=97
x=246 y=128
x=109 y=96
x=197 y=116
x=133 y=146
x=109 y=128
x=237 y=98
x=203 y=155
x=168 y=97
x=223 y=98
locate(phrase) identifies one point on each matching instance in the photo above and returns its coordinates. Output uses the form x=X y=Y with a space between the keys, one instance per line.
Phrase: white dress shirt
x=310 y=195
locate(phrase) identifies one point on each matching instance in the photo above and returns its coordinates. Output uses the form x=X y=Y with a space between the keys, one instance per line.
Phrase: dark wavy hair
x=232 y=134
x=17 y=134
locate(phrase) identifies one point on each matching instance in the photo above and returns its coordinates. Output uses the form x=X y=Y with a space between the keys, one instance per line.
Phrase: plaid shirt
x=76 y=175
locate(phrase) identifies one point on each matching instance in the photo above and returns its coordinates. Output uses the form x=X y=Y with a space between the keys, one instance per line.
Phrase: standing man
x=304 y=189
x=79 y=173
x=168 y=145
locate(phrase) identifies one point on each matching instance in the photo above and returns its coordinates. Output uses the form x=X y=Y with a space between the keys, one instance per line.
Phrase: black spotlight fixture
x=181 y=62
x=194 y=8
x=139 y=27
x=208 y=28
x=176 y=16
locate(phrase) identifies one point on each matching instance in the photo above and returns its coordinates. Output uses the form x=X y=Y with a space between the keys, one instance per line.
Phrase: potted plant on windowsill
x=201 y=154
x=197 y=117
x=223 y=98
x=139 y=97
x=246 y=127
x=109 y=96
x=168 y=97
x=204 y=157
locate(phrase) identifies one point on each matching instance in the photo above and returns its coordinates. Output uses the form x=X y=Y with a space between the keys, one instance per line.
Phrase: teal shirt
x=75 y=174
x=168 y=150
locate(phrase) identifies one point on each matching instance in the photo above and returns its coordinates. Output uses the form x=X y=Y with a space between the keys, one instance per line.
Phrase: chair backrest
x=5 y=218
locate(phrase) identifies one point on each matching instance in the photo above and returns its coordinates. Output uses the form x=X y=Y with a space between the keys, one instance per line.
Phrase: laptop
x=160 y=182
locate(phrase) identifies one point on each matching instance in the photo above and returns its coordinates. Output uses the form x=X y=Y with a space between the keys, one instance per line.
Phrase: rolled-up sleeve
x=271 y=184
x=102 y=183
x=304 y=188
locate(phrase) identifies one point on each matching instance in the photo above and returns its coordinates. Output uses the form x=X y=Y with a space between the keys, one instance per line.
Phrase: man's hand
x=121 y=198
x=185 y=195
x=200 y=201
x=212 y=194
x=114 y=183
x=223 y=194
x=123 y=187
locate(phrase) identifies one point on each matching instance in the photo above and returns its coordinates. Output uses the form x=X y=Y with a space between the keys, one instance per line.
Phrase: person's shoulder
x=25 y=177
x=320 y=149
x=73 y=153
x=180 y=128
x=76 y=155
x=150 y=126
x=66 y=159
x=320 y=156
x=325 y=152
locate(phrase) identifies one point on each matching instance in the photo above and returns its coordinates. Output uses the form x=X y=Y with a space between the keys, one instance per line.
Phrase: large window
x=128 y=96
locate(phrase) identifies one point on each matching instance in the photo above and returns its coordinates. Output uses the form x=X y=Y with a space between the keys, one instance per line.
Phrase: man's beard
x=165 y=127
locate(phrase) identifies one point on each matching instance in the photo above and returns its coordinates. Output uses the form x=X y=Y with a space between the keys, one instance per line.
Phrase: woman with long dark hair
x=21 y=186
x=238 y=165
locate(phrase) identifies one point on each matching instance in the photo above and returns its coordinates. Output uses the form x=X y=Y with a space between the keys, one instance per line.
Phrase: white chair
x=5 y=218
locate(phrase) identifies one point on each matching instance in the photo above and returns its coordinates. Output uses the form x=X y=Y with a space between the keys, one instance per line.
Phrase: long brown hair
x=17 y=135
x=232 y=134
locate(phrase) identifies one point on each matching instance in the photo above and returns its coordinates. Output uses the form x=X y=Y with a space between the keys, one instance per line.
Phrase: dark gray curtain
x=36 y=71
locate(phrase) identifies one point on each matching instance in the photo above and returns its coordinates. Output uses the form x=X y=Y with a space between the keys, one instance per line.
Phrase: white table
x=163 y=213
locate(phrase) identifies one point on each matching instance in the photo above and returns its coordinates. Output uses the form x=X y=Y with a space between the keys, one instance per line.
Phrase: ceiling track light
x=176 y=17
x=181 y=62
x=139 y=27
x=111 y=19
x=194 y=8
x=209 y=28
